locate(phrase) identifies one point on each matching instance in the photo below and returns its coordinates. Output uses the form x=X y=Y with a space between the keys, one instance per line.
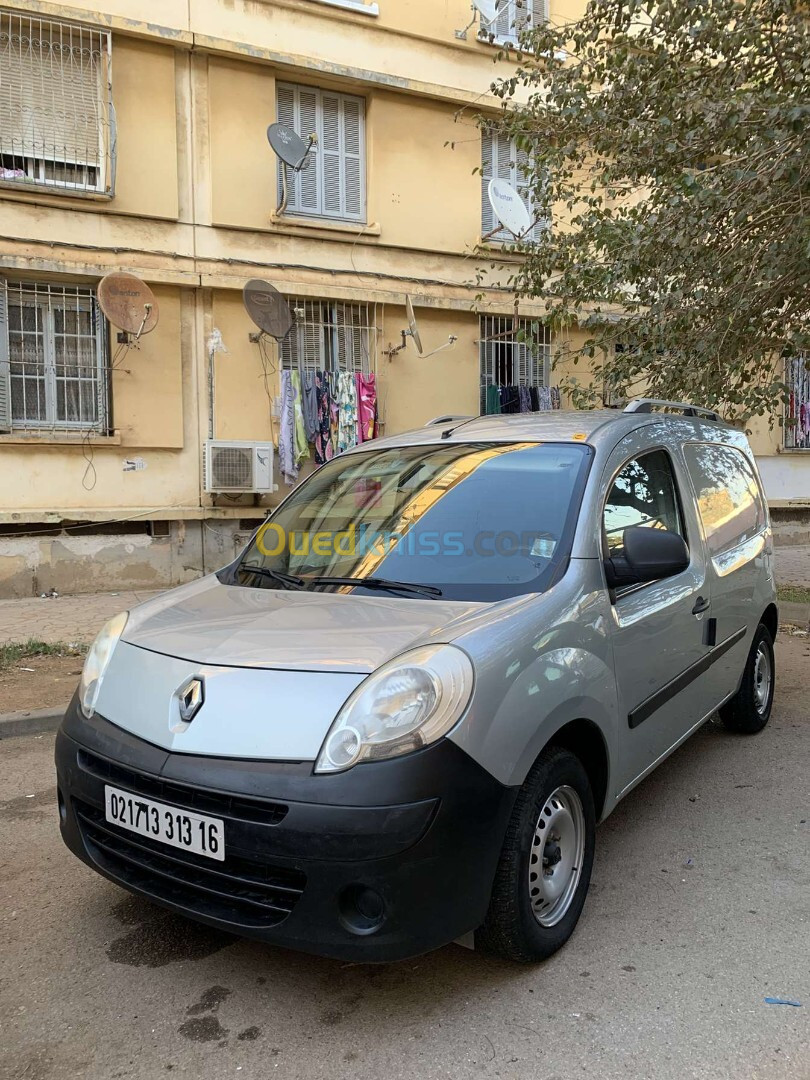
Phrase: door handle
x=701 y=605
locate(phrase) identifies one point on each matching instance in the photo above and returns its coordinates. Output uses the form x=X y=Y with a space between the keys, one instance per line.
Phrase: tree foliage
x=671 y=159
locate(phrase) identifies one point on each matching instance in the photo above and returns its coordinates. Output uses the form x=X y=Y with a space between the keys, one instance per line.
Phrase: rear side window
x=729 y=497
x=643 y=493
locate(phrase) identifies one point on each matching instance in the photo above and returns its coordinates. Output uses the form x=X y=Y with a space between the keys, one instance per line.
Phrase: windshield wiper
x=378 y=583
x=275 y=575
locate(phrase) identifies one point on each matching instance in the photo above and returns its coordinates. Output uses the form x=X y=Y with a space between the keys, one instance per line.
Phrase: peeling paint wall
x=30 y=565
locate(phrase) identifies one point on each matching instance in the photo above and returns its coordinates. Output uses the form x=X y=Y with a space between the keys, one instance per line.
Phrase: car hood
x=211 y=623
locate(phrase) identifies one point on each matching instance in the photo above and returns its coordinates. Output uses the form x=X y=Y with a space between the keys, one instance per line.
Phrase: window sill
x=290 y=224
x=25 y=186
x=59 y=438
x=359 y=7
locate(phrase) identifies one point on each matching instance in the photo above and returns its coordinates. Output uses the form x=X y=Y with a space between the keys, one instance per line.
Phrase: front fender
x=545 y=667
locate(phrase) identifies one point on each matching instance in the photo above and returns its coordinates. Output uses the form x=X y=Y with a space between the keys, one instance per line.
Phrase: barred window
x=56 y=114
x=334 y=183
x=513 y=352
x=514 y=17
x=797 y=409
x=54 y=372
x=329 y=335
x=501 y=160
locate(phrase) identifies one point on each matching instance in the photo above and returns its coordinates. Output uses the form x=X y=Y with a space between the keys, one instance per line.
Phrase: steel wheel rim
x=763 y=676
x=557 y=855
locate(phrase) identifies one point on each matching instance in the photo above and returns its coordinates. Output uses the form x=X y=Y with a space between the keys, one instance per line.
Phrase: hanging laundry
x=347 y=405
x=300 y=445
x=520 y=399
x=366 y=388
x=309 y=403
x=324 y=449
x=286 y=439
x=334 y=407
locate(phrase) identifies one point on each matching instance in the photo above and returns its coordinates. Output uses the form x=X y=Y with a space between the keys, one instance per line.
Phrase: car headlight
x=97 y=662
x=406 y=704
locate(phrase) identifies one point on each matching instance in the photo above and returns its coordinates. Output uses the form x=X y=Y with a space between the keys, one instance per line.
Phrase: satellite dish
x=487 y=8
x=128 y=303
x=509 y=208
x=290 y=147
x=267 y=308
x=413 y=329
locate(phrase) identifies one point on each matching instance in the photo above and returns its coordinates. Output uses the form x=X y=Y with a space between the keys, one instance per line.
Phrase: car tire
x=750 y=709
x=545 y=864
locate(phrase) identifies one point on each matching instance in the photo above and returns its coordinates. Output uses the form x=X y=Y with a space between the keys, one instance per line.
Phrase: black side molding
x=654 y=702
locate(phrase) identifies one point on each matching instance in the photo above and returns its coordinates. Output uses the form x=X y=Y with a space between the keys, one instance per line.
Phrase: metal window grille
x=334 y=184
x=54 y=372
x=329 y=335
x=797 y=409
x=57 y=127
x=513 y=352
x=514 y=17
x=501 y=159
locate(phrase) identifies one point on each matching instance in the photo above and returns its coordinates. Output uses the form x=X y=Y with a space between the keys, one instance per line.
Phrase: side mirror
x=649 y=555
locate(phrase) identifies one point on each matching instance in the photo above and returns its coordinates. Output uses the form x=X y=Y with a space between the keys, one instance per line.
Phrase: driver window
x=643 y=493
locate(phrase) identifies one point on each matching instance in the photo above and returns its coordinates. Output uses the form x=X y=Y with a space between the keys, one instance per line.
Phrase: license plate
x=168 y=824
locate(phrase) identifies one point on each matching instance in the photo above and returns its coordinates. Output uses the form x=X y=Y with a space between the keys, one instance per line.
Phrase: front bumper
x=303 y=853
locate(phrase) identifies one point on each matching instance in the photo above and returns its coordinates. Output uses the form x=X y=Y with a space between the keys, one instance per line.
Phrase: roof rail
x=448 y=418
x=648 y=405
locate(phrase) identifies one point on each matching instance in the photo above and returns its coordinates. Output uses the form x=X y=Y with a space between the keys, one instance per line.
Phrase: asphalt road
x=698 y=910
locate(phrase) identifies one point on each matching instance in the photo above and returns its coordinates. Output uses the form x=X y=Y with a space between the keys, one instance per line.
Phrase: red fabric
x=366 y=407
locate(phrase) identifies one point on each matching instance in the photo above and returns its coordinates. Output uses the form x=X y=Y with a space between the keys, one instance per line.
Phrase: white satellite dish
x=413 y=329
x=488 y=9
x=509 y=208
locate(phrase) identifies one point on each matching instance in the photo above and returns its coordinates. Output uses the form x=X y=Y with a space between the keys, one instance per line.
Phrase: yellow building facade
x=133 y=137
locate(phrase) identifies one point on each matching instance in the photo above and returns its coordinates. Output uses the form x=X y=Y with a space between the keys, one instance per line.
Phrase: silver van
x=397 y=717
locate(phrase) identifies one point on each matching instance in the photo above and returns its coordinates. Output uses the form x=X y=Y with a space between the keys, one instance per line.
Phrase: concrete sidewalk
x=63 y=618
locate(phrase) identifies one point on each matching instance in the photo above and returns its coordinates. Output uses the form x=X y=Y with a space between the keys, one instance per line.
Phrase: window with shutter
x=514 y=17
x=797 y=406
x=501 y=159
x=513 y=352
x=329 y=335
x=56 y=115
x=5 y=374
x=58 y=373
x=334 y=184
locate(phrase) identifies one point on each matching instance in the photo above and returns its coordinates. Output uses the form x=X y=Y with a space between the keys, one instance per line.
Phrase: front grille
x=203 y=800
x=238 y=891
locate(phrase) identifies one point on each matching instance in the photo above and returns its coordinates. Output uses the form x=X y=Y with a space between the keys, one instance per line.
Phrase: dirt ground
x=39 y=682
x=699 y=910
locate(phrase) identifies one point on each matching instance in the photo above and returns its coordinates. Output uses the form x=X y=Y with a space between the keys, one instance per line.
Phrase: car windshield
x=471 y=521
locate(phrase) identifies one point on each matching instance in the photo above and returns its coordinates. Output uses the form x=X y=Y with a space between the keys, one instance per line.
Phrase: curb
x=31 y=723
x=794 y=614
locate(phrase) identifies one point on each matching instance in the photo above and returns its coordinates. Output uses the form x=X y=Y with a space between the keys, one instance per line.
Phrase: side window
x=729 y=498
x=644 y=493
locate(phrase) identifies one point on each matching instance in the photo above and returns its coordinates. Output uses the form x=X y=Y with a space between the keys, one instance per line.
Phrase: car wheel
x=545 y=865
x=750 y=709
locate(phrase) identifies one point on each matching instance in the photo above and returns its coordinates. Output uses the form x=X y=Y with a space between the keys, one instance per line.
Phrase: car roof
x=594 y=426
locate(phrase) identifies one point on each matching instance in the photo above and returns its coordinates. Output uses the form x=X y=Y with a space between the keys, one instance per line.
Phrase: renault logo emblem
x=191 y=698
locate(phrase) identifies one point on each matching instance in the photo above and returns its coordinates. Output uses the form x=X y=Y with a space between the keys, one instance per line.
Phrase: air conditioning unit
x=238 y=467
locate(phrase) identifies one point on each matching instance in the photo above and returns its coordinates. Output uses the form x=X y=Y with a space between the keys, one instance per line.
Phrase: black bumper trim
x=423 y=831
